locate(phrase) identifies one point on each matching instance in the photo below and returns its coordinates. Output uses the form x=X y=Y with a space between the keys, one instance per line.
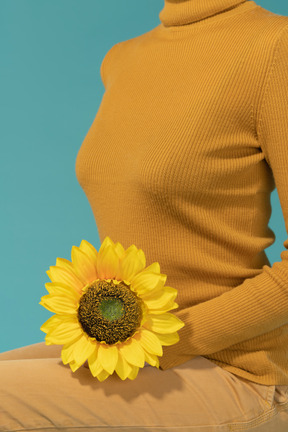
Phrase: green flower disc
x=108 y=312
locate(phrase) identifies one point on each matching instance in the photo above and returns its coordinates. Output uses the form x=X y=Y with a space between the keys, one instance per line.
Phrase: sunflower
x=110 y=309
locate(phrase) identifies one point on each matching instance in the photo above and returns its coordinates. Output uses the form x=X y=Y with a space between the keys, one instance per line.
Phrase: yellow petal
x=161 y=298
x=133 y=374
x=129 y=266
x=67 y=351
x=84 y=266
x=140 y=255
x=102 y=375
x=123 y=368
x=74 y=366
x=62 y=289
x=133 y=352
x=59 y=304
x=62 y=275
x=107 y=242
x=164 y=323
x=64 y=263
x=83 y=348
x=146 y=282
x=150 y=342
x=168 y=307
x=89 y=249
x=151 y=359
x=130 y=249
x=152 y=268
x=119 y=249
x=168 y=339
x=108 y=357
x=142 y=258
x=64 y=333
x=94 y=363
x=53 y=322
x=107 y=263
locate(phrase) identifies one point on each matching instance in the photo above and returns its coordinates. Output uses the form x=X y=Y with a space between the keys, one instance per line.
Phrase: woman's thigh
x=43 y=394
x=34 y=351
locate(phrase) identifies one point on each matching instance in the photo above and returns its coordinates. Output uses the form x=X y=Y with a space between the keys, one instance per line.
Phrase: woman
x=187 y=146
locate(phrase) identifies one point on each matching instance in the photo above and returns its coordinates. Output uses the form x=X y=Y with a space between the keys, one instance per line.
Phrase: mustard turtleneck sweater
x=189 y=141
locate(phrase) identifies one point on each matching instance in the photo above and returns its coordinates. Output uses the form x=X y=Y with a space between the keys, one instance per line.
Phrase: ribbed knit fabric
x=190 y=139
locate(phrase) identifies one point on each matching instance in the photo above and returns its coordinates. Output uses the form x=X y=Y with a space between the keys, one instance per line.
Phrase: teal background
x=51 y=89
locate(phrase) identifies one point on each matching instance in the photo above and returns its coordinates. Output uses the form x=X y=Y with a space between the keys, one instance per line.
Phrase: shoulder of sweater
x=121 y=48
x=133 y=41
x=265 y=23
x=268 y=23
x=268 y=29
x=265 y=27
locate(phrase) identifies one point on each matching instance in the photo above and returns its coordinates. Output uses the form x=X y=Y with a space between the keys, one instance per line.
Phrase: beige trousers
x=39 y=393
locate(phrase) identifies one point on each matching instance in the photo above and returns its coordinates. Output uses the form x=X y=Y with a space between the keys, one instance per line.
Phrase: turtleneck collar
x=180 y=12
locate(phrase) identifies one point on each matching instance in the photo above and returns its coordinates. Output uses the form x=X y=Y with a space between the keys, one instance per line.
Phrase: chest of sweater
x=176 y=119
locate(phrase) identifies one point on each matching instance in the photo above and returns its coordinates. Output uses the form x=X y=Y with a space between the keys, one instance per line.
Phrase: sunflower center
x=112 y=309
x=108 y=312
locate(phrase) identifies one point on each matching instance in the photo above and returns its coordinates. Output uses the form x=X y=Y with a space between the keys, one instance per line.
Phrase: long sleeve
x=260 y=304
